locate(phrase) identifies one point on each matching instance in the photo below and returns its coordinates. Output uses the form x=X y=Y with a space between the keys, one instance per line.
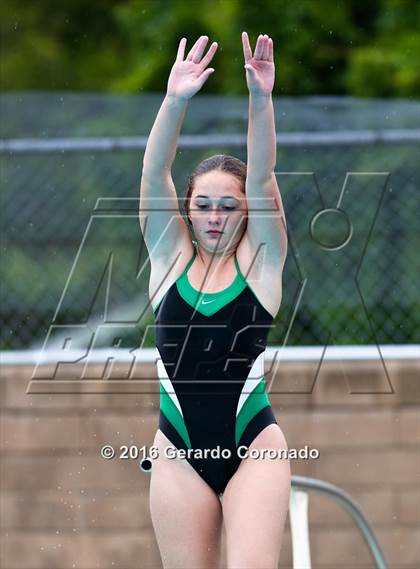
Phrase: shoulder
x=264 y=279
x=165 y=271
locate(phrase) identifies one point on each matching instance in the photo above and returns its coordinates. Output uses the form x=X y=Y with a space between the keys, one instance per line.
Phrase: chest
x=227 y=343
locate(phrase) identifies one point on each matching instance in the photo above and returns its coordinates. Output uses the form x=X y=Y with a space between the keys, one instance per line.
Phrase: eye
x=225 y=207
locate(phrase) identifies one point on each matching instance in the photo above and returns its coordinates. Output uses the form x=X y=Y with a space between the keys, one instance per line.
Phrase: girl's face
x=218 y=210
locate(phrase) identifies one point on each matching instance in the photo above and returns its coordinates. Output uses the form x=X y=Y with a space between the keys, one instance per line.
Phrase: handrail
x=345 y=500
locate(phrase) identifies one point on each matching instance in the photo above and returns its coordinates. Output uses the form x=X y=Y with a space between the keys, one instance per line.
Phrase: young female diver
x=211 y=330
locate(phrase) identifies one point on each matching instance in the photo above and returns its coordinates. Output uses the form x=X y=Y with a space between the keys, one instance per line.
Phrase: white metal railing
x=298 y=513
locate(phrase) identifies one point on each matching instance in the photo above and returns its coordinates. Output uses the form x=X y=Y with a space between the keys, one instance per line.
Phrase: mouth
x=211 y=232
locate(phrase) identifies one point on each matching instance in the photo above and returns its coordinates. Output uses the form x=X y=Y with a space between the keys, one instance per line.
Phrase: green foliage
x=390 y=65
x=321 y=47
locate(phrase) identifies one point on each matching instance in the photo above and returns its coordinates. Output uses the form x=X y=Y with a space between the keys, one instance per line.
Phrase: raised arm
x=261 y=127
x=270 y=231
x=186 y=78
x=160 y=220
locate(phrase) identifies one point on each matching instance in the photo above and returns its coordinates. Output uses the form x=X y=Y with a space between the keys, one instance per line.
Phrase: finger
x=209 y=55
x=270 y=50
x=265 y=48
x=200 y=49
x=259 y=48
x=204 y=76
x=192 y=50
x=251 y=71
x=181 y=49
x=246 y=47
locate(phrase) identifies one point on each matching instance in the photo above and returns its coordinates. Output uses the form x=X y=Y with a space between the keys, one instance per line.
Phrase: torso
x=210 y=367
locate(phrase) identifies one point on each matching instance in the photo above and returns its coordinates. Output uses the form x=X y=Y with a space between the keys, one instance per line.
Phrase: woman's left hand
x=260 y=66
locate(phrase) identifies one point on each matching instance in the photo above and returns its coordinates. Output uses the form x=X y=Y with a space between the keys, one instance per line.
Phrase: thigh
x=186 y=513
x=255 y=504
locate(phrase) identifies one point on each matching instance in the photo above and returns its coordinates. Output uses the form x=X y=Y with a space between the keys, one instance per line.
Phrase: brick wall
x=63 y=506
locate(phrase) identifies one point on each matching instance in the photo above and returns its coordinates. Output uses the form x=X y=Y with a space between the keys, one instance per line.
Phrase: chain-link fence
x=73 y=254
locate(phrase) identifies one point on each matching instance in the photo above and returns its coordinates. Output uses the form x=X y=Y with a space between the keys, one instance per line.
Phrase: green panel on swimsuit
x=171 y=412
x=256 y=401
x=208 y=303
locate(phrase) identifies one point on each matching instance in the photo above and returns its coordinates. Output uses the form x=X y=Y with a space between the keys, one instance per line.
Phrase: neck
x=219 y=257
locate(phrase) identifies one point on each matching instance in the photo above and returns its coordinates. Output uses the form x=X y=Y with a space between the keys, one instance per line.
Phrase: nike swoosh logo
x=206 y=301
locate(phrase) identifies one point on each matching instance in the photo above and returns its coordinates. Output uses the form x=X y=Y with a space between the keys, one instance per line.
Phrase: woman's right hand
x=188 y=76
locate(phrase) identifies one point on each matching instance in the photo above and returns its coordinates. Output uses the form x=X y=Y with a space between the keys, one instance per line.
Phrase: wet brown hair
x=221 y=162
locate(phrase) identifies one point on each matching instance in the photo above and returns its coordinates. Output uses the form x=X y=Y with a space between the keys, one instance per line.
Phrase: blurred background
x=81 y=84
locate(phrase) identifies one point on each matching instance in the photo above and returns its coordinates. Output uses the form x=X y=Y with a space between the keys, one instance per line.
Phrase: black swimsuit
x=211 y=373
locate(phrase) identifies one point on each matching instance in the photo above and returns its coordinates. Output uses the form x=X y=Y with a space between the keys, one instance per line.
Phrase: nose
x=214 y=217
